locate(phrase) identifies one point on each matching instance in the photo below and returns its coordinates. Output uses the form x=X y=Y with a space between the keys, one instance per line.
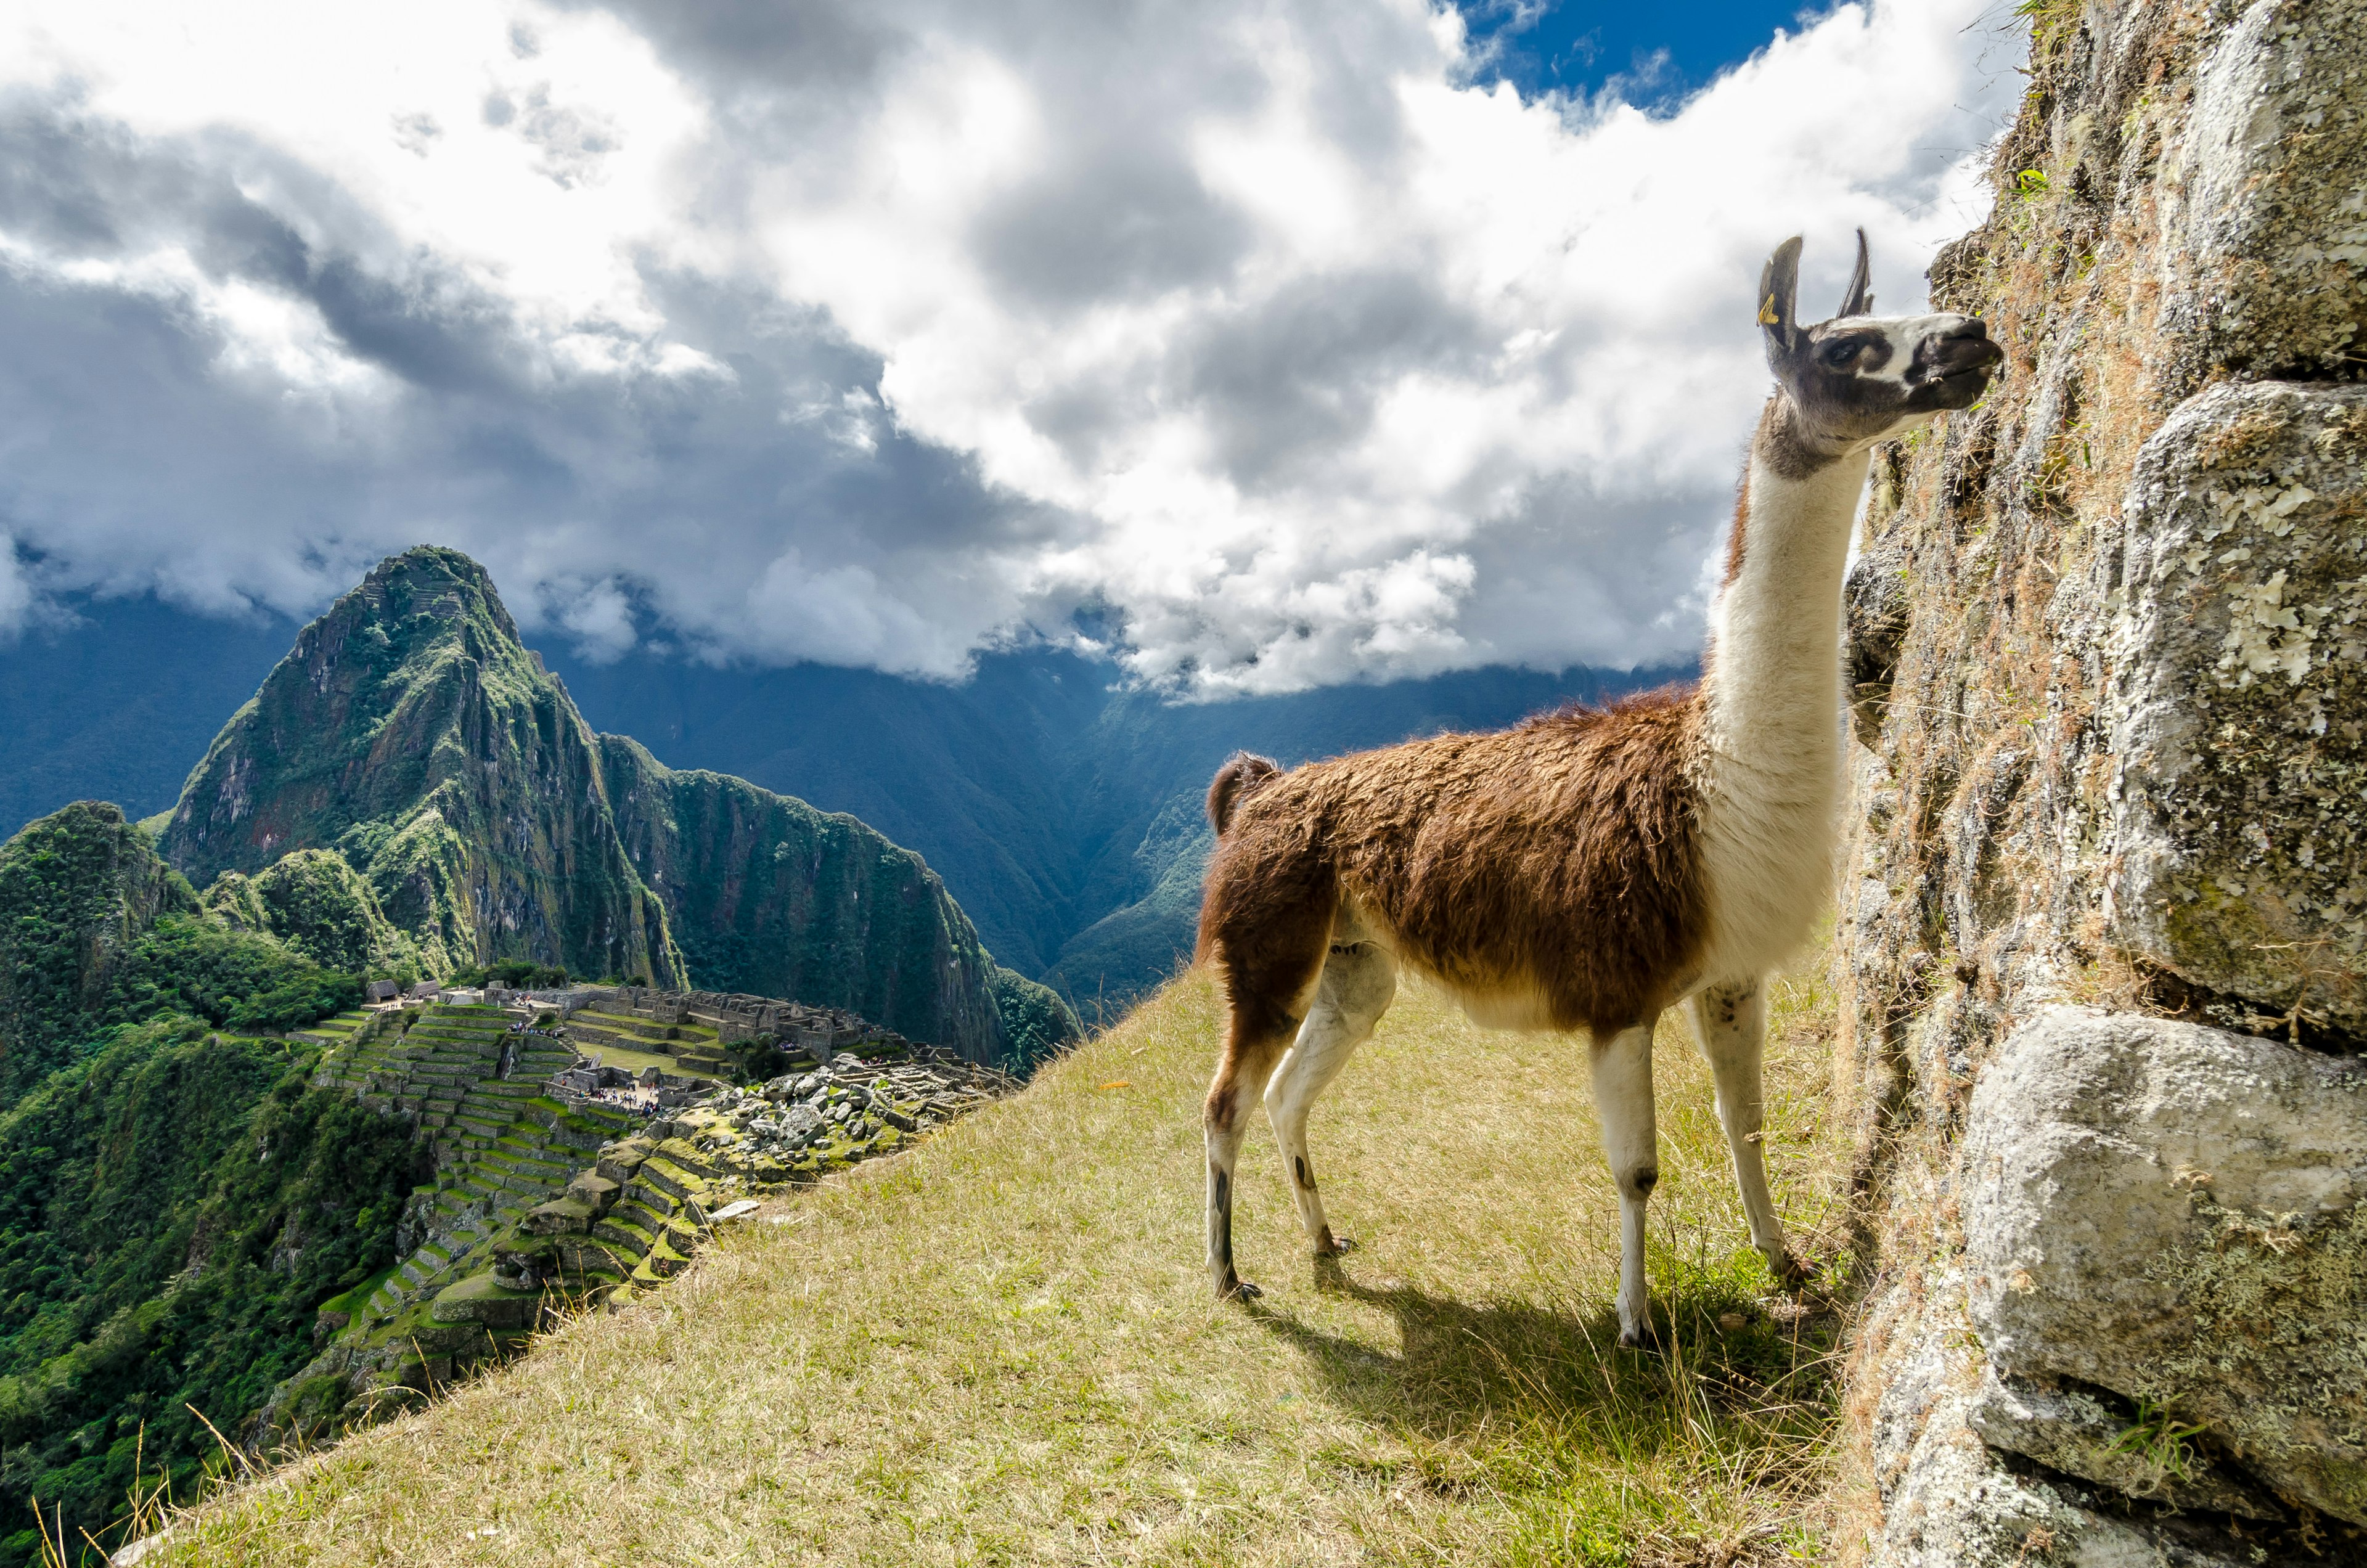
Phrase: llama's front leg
x=1731 y=1022
x=1623 y=1103
x=1359 y=981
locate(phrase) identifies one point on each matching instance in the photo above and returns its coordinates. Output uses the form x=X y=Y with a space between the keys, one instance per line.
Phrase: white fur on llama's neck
x=1771 y=783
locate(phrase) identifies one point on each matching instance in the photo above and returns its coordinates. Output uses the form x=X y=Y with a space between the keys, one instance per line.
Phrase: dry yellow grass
x=1001 y=1348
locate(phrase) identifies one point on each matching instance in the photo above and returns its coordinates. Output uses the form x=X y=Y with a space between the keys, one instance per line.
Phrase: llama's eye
x=1840 y=353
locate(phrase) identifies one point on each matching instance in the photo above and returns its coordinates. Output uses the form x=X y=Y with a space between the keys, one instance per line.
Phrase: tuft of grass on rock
x=1001 y=1347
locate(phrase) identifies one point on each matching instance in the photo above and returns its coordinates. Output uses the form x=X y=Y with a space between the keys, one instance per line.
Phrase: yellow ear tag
x=1767 y=312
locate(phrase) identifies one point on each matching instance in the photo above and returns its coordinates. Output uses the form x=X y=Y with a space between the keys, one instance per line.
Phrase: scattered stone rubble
x=657 y=1192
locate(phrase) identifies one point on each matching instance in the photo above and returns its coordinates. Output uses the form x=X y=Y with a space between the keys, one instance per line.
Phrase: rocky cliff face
x=410 y=730
x=772 y=898
x=2103 y=921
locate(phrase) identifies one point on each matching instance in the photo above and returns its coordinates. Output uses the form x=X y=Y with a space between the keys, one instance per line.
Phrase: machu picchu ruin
x=584 y=1143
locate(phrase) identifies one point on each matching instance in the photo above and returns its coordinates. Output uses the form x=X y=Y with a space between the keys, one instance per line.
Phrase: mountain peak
x=411 y=731
x=411 y=734
x=428 y=589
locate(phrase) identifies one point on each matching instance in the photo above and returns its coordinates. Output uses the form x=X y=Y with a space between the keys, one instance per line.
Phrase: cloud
x=878 y=333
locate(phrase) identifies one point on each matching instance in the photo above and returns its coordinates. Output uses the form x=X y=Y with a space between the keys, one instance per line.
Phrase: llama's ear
x=1778 y=289
x=1858 y=300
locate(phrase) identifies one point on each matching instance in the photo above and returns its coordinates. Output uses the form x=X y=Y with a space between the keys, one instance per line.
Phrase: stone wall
x=2103 y=916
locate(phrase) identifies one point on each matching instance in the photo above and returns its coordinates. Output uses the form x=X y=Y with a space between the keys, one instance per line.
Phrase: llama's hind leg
x=1622 y=1104
x=1249 y=1059
x=1731 y=1024
x=1359 y=981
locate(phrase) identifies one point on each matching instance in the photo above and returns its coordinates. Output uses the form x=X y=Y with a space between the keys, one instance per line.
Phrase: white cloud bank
x=877 y=332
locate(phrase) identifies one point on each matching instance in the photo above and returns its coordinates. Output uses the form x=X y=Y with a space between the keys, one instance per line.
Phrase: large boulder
x=2173 y=1214
x=2266 y=232
x=1950 y=1502
x=2238 y=687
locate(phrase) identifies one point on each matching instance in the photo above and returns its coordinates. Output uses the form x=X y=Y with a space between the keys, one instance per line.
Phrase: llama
x=1591 y=868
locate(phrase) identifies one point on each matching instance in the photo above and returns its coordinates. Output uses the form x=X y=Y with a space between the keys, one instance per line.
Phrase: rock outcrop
x=2103 y=922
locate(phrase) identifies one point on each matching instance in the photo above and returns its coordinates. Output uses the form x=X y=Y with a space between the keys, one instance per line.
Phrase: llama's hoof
x=1644 y=1338
x=1335 y=1246
x=1790 y=1272
x=1238 y=1289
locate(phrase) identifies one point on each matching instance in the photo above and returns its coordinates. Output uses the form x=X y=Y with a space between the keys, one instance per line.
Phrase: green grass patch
x=634 y=1061
x=359 y=1297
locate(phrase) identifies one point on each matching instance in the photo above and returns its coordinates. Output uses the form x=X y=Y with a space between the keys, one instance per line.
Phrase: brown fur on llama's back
x=1560 y=859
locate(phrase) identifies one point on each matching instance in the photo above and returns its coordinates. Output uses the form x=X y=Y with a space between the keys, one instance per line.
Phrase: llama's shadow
x=1463 y=1364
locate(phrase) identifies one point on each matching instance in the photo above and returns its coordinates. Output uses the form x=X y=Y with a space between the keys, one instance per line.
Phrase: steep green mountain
x=78 y=890
x=410 y=787
x=97 y=932
x=411 y=731
x=772 y=898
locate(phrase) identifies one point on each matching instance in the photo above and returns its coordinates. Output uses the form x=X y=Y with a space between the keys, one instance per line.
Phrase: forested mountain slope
x=1061 y=806
x=174 y=1202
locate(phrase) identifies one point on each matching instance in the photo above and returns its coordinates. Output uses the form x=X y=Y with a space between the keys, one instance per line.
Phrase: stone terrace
x=502 y=1145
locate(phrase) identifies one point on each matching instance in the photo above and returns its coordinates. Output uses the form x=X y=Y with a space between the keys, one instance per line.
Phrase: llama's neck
x=1773 y=690
x=1775 y=675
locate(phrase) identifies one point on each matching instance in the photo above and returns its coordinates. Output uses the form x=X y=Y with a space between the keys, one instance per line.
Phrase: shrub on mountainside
x=317 y=904
x=96 y=932
x=1035 y=1022
x=173 y=1210
x=233 y=979
x=753 y=1061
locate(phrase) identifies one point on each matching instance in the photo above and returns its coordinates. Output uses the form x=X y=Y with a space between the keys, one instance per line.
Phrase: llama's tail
x=1242 y=775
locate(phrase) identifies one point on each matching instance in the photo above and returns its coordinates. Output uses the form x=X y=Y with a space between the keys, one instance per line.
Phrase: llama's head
x=1860 y=376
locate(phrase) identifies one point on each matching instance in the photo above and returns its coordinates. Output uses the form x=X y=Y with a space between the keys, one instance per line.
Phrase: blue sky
x=1572 y=46
x=1273 y=340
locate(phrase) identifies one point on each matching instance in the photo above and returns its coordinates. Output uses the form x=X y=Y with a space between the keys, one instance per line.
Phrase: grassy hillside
x=1001 y=1348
